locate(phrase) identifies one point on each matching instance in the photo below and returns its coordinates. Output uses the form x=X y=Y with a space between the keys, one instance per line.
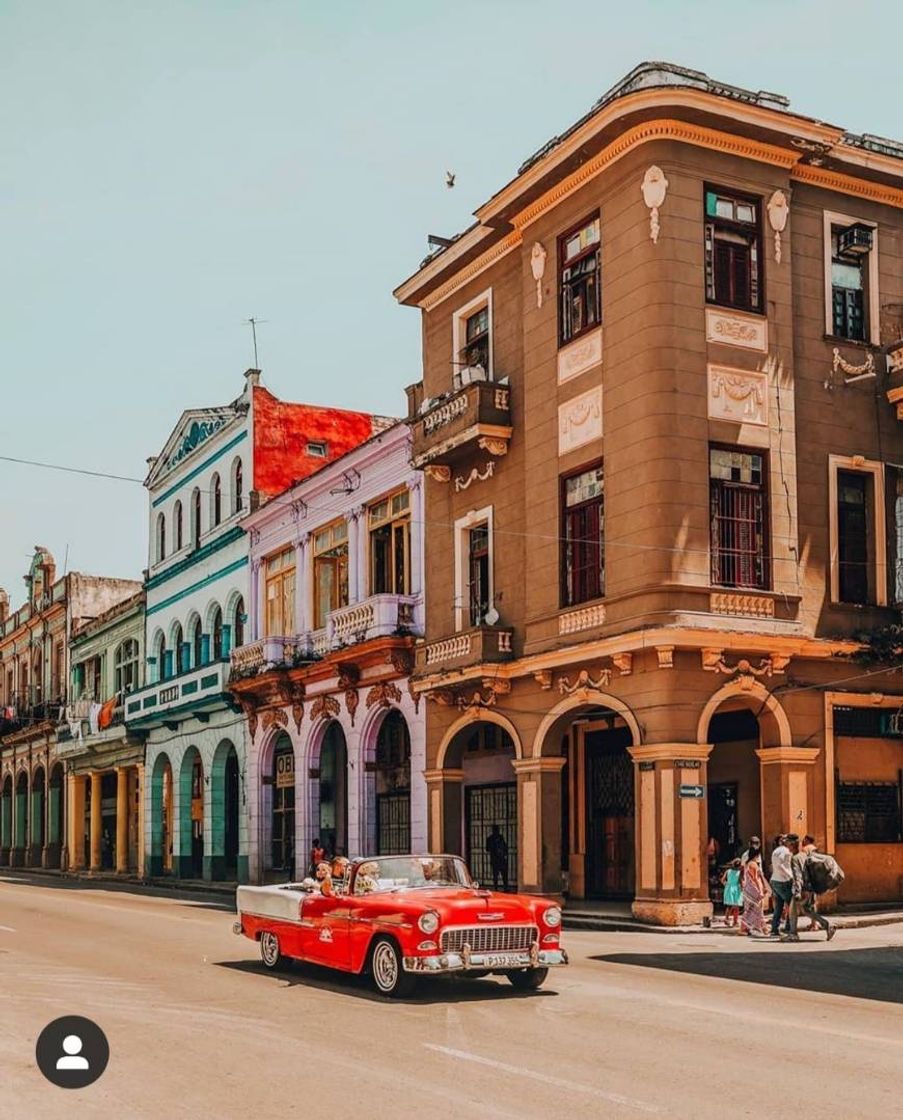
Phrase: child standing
x=733 y=895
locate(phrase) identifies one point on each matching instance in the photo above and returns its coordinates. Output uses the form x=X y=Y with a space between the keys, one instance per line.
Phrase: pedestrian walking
x=497 y=849
x=753 y=848
x=781 y=883
x=733 y=893
x=755 y=894
x=814 y=873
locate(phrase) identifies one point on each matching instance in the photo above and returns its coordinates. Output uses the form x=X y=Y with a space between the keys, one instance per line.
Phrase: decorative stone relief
x=493 y=446
x=401 y=661
x=583 y=619
x=580 y=356
x=585 y=680
x=437 y=472
x=352 y=699
x=544 y=679
x=740 y=396
x=654 y=188
x=383 y=694
x=274 y=715
x=324 y=706
x=665 y=656
x=732 y=328
x=475 y=476
x=580 y=420
x=744 y=670
x=866 y=369
x=486 y=696
x=778 y=209
x=251 y=712
x=623 y=662
x=298 y=715
x=415 y=696
x=538 y=268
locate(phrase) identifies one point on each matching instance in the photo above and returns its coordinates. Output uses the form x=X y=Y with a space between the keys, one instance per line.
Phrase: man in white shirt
x=781 y=882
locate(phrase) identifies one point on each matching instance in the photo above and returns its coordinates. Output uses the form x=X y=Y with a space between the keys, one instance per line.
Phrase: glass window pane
x=846 y=275
x=724 y=208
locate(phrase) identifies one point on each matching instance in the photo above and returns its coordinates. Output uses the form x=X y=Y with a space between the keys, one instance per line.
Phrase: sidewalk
x=197 y=889
x=617 y=917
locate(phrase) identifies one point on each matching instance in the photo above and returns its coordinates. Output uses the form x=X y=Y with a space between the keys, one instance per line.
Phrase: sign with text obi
x=285 y=769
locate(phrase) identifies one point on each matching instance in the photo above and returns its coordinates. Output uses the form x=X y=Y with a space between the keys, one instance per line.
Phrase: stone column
x=445 y=810
x=140 y=799
x=671 y=833
x=96 y=820
x=122 y=820
x=539 y=824
x=76 y=821
x=256 y=627
x=302 y=606
x=787 y=789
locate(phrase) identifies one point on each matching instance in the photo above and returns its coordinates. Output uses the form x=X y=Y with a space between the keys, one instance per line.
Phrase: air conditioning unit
x=468 y=374
x=855 y=240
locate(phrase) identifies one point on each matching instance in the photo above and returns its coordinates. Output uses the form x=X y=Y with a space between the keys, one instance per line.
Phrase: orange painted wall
x=281 y=434
x=874 y=872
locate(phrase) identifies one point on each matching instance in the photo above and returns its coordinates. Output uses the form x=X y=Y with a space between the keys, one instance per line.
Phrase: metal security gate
x=485 y=806
x=609 y=815
x=393 y=823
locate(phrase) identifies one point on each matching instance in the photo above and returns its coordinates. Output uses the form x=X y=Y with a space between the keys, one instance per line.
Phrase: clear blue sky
x=170 y=169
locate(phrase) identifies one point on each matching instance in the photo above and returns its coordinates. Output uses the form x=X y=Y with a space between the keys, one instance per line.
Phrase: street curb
x=614 y=925
x=178 y=888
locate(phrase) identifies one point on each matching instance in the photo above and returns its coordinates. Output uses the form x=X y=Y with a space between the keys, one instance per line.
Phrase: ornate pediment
x=195 y=429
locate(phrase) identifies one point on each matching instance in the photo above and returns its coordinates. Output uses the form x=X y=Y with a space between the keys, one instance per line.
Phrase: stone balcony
x=203 y=688
x=379 y=616
x=478 y=646
x=476 y=417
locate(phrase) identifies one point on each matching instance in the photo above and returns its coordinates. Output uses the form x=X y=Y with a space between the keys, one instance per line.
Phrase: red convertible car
x=401 y=917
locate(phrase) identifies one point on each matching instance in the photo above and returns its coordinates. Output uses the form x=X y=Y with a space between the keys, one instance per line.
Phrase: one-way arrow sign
x=692 y=791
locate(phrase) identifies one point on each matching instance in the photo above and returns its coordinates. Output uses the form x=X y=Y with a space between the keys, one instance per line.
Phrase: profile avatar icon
x=73 y=1058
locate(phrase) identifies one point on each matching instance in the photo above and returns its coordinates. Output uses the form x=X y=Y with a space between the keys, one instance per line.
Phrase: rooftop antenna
x=254 y=321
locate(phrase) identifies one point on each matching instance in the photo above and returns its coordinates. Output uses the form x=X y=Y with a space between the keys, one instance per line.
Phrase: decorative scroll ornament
x=538 y=267
x=351 y=702
x=584 y=680
x=623 y=662
x=383 y=694
x=401 y=661
x=867 y=369
x=298 y=714
x=324 y=706
x=415 y=696
x=251 y=712
x=746 y=390
x=348 y=675
x=474 y=476
x=274 y=715
x=485 y=697
x=497 y=447
x=437 y=472
x=665 y=655
x=744 y=670
x=443 y=697
x=778 y=209
x=654 y=188
x=544 y=679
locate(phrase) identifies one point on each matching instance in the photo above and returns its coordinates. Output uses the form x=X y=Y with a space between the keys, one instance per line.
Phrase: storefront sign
x=695 y=792
x=687 y=763
x=285 y=770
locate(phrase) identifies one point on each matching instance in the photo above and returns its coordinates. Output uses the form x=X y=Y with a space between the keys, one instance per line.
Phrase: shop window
x=583 y=537
x=330 y=549
x=579 y=280
x=279 y=577
x=869 y=812
x=851 y=278
x=390 y=536
x=733 y=250
x=857 y=531
x=739 y=518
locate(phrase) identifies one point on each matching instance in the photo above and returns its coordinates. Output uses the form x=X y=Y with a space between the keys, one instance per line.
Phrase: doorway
x=283 y=815
x=610 y=812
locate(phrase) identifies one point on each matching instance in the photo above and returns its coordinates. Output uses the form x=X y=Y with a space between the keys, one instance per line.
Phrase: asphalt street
x=640 y=1024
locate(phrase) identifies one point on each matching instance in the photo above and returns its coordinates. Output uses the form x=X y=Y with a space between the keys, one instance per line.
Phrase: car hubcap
x=385 y=967
x=269 y=948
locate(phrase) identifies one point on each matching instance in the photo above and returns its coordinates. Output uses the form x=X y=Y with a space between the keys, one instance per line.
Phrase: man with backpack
x=814 y=873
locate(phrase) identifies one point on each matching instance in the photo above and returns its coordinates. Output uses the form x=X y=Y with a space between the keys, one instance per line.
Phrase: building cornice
x=847 y=184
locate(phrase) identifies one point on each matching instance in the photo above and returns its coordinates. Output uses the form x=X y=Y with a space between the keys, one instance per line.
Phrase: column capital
x=801 y=756
x=670 y=752
x=550 y=764
x=433 y=776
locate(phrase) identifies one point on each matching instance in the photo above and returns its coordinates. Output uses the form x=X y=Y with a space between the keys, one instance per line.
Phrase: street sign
x=692 y=791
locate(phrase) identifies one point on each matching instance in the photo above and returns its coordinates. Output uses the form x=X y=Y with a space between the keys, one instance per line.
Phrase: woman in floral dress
x=755 y=894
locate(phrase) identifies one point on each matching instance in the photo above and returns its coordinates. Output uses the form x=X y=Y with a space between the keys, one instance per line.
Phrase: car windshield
x=393 y=873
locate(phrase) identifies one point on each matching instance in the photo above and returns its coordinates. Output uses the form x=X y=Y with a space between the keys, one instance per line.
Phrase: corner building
x=659 y=433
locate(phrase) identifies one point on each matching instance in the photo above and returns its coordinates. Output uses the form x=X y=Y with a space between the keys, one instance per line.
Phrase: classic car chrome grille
x=489 y=939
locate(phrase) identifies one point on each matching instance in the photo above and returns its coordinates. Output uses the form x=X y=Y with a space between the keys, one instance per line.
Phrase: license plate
x=505 y=960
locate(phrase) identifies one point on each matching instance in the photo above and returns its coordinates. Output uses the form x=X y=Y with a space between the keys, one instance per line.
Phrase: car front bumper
x=439 y=964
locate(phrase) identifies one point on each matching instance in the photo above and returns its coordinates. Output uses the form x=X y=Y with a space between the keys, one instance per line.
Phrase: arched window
x=238 y=624
x=216 y=500
x=161 y=537
x=160 y=655
x=125 y=666
x=237 y=486
x=195 y=639
x=37 y=678
x=196 y=518
x=178 y=648
x=216 y=633
x=177 y=526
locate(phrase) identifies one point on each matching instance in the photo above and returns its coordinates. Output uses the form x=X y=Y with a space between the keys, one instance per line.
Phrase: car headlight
x=552 y=916
x=428 y=922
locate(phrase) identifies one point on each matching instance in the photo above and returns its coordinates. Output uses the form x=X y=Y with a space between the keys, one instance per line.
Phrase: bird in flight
x=449 y=179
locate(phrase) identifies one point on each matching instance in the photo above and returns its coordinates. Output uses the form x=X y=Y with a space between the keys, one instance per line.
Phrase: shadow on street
x=428 y=990
x=863 y=973
x=185 y=896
